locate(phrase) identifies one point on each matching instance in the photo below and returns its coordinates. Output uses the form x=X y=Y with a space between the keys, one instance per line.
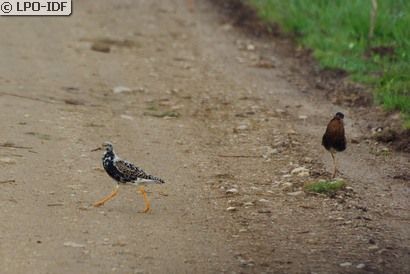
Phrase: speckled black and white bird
x=334 y=139
x=125 y=173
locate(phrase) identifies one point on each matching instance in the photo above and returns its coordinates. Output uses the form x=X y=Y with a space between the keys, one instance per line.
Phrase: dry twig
x=7 y=181
x=239 y=156
x=8 y=144
x=30 y=98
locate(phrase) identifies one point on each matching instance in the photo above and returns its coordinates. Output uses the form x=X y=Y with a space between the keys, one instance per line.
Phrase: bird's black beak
x=98 y=148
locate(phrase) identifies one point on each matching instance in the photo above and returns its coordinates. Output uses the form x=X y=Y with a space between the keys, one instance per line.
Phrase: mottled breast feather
x=108 y=159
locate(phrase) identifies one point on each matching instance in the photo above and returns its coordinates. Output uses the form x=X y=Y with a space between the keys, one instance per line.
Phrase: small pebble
x=7 y=160
x=73 y=244
x=296 y=193
x=121 y=89
x=361 y=266
x=303 y=174
x=346 y=264
x=373 y=248
x=312 y=241
x=226 y=27
x=239 y=59
x=250 y=47
x=299 y=170
x=349 y=188
x=272 y=151
x=231 y=208
x=232 y=191
x=242 y=127
x=248 y=204
x=126 y=117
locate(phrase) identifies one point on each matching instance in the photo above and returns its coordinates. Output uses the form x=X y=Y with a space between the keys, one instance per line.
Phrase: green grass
x=152 y=107
x=337 y=32
x=44 y=137
x=163 y=114
x=154 y=111
x=327 y=188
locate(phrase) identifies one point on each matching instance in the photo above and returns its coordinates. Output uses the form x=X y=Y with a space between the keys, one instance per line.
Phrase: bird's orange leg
x=114 y=192
x=144 y=194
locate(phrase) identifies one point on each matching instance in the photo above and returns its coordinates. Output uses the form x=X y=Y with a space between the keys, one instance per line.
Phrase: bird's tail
x=152 y=180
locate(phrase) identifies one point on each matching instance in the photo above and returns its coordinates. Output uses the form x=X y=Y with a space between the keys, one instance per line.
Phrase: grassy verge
x=337 y=32
x=154 y=111
x=328 y=188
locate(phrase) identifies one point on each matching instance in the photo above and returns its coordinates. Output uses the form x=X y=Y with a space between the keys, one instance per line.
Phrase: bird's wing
x=129 y=170
x=132 y=172
x=334 y=136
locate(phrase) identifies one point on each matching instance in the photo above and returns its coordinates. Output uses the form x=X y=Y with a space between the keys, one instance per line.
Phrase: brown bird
x=334 y=139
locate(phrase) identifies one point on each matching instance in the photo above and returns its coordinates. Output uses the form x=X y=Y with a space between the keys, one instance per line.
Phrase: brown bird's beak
x=98 y=148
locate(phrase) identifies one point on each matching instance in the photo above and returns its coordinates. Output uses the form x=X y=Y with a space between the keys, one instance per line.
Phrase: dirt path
x=238 y=126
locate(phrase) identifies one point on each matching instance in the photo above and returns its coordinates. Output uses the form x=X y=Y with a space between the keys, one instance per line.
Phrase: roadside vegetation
x=327 y=188
x=368 y=39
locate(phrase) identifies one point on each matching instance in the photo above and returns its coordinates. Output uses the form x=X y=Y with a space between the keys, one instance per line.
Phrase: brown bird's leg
x=191 y=4
x=147 y=206
x=335 y=169
x=114 y=192
x=334 y=165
